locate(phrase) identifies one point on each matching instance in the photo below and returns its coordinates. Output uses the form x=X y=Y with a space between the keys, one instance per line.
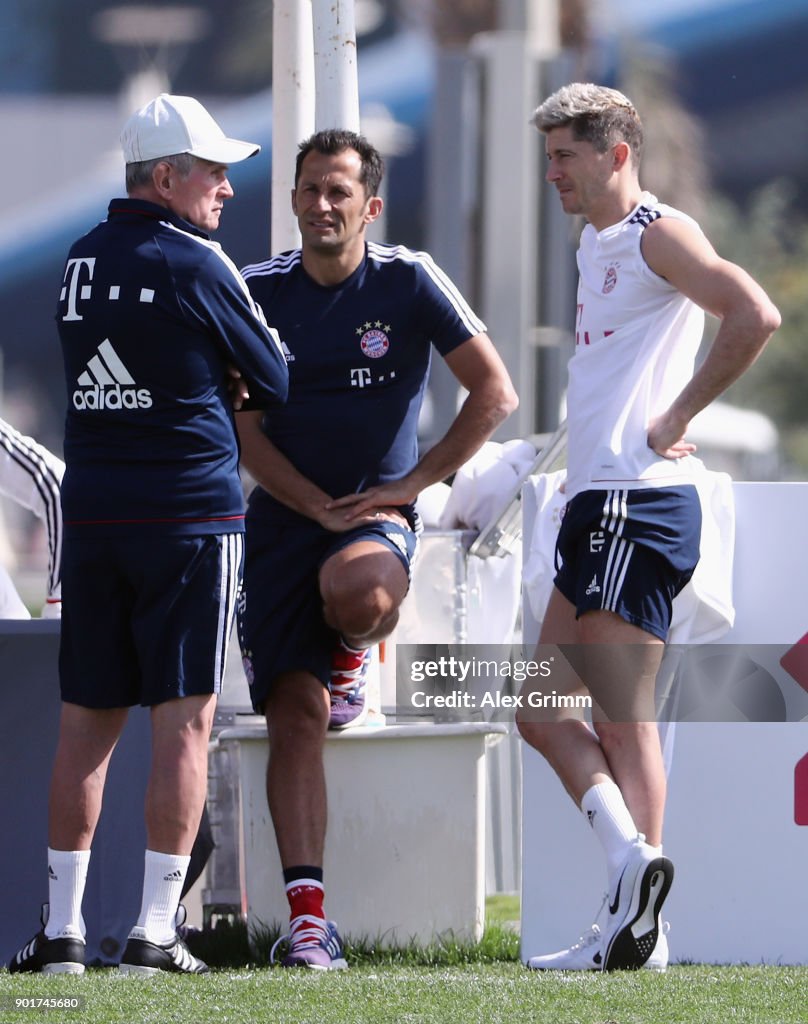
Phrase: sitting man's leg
x=297 y=711
x=287 y=653
x=363 y=581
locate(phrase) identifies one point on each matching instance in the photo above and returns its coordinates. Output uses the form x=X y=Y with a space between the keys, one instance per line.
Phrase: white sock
x=67 y=875
x=163 y=879
x=611 y=821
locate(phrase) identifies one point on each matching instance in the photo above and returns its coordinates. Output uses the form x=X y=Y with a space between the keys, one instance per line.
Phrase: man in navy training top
x=154 y=320
x=331 y=527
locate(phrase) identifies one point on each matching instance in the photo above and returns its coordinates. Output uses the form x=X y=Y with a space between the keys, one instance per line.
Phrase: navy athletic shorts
x=146 y=620
x=280 y=615
x=629 y=552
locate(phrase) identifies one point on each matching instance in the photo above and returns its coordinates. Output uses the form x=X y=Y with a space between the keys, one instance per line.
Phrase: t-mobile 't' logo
x=360 y=377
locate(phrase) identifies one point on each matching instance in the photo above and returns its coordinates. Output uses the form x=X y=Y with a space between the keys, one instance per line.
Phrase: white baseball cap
x=179 y=124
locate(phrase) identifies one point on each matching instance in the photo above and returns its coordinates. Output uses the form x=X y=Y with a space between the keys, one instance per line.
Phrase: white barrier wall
x=405 y=853
x=731 y=827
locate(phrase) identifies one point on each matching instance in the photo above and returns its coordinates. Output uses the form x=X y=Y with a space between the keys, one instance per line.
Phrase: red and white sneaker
x=349 y=675
x=313 y=943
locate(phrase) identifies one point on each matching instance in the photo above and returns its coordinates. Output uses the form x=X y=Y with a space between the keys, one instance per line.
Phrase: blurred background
x=446 y=91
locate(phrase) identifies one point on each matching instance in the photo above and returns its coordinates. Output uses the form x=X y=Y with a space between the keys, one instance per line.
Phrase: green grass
x=445 y=982
x=227 y=945
x=405 y=994
x=503 y=908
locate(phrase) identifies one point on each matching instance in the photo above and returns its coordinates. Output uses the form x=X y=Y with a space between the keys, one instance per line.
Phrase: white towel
x=538 y=573
x=11 y=606
x=704 y=611
x=480 y=485
x=431 y=502
x=476 y=496
x=493 y=597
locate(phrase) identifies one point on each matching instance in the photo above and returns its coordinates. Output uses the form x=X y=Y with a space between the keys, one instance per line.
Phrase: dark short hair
x=334 y=140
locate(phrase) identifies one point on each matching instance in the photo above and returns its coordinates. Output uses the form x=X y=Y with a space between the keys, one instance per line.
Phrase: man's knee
x=359 y=609
x=180 y=734
x=362 y=587
x=536 y=730
x=629 y=736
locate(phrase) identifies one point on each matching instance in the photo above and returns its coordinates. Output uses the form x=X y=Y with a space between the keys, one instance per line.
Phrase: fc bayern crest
x=611 y=278
x=375 y=344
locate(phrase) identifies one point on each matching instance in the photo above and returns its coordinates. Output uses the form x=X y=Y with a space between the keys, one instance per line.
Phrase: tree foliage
x=769 y=239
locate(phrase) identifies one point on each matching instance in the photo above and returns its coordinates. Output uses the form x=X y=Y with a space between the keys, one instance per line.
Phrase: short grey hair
x=139 y=174
x=597 y=114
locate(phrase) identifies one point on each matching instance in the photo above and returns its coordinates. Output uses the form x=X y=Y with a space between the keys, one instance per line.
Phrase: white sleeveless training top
x=636 y=343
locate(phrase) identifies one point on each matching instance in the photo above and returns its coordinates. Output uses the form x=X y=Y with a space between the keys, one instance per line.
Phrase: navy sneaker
x=349 y=676
x=143 y=957
x=63 y=954
x=632 y=929
x=313 y=943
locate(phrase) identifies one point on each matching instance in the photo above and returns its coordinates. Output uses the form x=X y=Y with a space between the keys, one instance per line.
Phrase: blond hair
x=596 y=114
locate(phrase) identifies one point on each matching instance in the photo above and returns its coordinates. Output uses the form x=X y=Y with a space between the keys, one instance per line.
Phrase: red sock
x=305 y=896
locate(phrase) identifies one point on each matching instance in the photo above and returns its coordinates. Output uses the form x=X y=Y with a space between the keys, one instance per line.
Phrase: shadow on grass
x=228 y=944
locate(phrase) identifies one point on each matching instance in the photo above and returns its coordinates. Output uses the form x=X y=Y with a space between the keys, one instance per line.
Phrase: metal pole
x=337 y=86
x=292 y=110
x=558 y=276
x=508 y=243
x=511 y=171
x=538 y=18
x=454 y=143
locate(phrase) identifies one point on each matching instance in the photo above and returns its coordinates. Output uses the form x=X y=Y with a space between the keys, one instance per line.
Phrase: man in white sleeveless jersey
x=629 y=540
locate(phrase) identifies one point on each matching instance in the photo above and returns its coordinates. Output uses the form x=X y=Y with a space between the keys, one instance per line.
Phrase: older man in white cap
x=154 y=320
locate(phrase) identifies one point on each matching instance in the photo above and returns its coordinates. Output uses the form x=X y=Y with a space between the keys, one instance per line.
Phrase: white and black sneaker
x=62 y=954
x=587 y=954
x=144 y=957
x=632 y=928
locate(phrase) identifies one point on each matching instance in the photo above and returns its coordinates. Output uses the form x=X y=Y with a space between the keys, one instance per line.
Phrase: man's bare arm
x=683 y=256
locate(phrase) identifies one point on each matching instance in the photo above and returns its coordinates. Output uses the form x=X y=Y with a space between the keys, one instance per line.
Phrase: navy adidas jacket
x=150 y=313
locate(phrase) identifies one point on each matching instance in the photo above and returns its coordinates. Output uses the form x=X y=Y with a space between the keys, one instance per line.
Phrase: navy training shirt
x=150 y=312
x=358 y=355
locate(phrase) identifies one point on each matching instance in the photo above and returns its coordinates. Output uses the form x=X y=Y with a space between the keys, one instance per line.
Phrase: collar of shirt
x=142 y=208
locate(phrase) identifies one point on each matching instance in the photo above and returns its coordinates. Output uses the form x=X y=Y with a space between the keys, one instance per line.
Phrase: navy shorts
x=629 y=552
x=280 y=615
x=146 y=620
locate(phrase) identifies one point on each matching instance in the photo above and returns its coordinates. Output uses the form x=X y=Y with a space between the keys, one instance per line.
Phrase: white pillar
x=292 y=110
x=508 y=223
x=512 y=169
x=337 y=91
